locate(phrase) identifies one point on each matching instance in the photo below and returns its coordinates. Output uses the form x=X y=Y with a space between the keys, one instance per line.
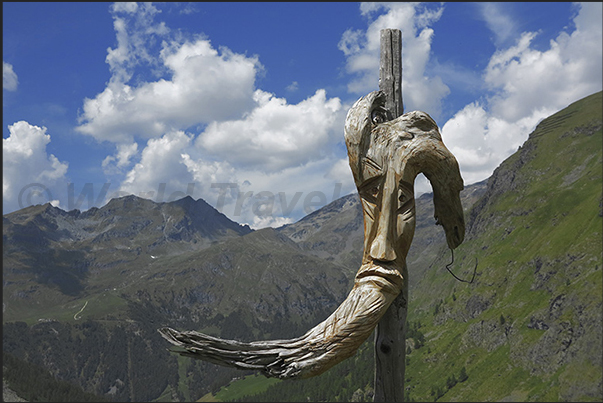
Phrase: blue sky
x=243 y=104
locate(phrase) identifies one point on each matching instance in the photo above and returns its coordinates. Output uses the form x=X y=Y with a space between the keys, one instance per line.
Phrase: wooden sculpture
x=385 y=157
x=386 y=152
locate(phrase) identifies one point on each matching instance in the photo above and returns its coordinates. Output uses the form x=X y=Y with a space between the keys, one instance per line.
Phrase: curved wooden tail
x=328 y=343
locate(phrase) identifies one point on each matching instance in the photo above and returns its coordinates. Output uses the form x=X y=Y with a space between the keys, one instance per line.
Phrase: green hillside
x=529 y=328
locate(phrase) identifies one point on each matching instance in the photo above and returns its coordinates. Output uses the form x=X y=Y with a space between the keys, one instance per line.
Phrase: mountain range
x=84 y=292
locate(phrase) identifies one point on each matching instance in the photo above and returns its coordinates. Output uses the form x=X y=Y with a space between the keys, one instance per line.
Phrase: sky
x=244 y=104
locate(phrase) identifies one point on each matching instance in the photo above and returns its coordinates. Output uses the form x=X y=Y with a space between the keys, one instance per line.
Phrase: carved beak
x=442 y=170
x=426 y=151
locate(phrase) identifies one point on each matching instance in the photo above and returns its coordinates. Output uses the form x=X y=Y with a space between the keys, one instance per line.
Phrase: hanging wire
x=453 y=275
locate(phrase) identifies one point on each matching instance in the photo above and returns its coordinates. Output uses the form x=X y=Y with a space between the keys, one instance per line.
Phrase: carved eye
x=378 y=116
x=374 y=191
x=405 y=197
x=371 y=193
x=371 y=189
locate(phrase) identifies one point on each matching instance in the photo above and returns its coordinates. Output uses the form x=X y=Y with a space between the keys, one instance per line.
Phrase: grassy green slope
x=529 y=328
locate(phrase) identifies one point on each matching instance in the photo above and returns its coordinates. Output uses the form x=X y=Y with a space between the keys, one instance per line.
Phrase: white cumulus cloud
x=29 y=174
x=275 y=134
x=278 y=150
x=196 y=84
x=113 y=164
x=135 y=31
x=503 y=25
x=205 y=85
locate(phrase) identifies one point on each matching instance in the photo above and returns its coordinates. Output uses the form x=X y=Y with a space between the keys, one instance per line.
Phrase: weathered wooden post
x=390 y=335
x=390 y=70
